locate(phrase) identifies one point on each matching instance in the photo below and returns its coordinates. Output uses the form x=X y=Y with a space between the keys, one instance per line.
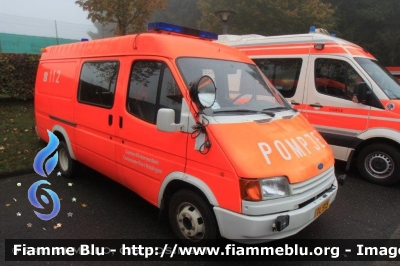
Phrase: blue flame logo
x=44 y=153
x=44 y=168
x=32 y=198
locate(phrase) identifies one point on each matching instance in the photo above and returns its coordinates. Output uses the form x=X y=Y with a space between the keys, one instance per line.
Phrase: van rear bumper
x=258 y=229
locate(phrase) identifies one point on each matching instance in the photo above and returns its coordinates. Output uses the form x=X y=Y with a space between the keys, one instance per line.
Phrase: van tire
x=192 y=219
x=66 y=164
x=379 y=164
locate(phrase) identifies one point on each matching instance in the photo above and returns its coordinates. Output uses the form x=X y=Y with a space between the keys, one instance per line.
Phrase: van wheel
x=66 y=164
x=379 y=164
x=192 y=219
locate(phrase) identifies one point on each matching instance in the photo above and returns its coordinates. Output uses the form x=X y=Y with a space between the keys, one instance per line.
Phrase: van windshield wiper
x=279 y=108
x=244 y=111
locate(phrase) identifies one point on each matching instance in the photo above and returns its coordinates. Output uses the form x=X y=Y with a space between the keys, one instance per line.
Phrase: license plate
x=321 y=208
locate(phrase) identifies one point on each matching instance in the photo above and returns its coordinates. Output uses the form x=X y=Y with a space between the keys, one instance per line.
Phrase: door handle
x=294 y=103
x=110 y=120
x=316 y=105
x=120 y=121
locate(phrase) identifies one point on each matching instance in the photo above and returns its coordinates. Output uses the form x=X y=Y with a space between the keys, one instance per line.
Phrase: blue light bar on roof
x=181 y=30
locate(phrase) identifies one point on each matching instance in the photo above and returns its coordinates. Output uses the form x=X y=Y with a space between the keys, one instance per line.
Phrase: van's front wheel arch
x=192 y=219
x=66 y=164
x=379 y=163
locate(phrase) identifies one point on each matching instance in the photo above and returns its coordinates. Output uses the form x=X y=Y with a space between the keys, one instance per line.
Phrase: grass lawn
x=19 y=143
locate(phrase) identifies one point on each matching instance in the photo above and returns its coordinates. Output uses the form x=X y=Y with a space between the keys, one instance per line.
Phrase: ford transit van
x=190 y=125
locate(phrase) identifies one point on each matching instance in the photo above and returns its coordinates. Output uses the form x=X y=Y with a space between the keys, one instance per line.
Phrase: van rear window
x=97 y=83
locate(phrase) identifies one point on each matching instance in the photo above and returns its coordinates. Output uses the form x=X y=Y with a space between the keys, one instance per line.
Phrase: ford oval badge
x=320 y=166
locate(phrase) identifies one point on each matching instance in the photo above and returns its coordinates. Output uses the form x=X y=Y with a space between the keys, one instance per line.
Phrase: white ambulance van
x=341 y=89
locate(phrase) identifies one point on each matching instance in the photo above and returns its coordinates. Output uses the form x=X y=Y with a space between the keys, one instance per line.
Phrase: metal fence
x=28 y=35
x=21 y=44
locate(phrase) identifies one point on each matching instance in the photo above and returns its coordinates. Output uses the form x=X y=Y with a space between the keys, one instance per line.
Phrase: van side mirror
x=166 y=121
x=203 y=92
x=360 y=93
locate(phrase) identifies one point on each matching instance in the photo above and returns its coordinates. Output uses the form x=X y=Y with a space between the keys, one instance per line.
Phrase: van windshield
x=241 y=88
x=388 y=83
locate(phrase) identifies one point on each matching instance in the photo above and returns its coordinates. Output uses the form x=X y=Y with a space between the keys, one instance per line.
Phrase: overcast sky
x=37 y=17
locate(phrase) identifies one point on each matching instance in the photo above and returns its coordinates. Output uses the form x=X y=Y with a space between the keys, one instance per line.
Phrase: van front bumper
x=258 y=229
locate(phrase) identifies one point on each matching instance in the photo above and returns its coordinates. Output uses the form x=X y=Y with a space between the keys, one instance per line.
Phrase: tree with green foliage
x=267 y=17
x=129 y=15
x=180 y=12
x=372 y=24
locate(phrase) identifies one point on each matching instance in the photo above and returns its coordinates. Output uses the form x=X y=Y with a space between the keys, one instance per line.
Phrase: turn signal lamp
x=162 y=26
x=250 y=189
x=264 y=189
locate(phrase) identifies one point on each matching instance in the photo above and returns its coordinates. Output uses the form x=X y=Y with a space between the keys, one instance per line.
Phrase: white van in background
x=341 y=89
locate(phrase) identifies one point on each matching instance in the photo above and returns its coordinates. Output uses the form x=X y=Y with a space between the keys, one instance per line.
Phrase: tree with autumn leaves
x=130 y=16
x=373 y=24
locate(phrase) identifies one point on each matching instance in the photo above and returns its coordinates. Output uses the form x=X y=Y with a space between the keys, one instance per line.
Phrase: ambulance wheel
x=379 y=164
x=192 y=219
x=66 y=164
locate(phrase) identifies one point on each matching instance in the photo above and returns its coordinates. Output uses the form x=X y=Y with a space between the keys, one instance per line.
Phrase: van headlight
x=277 y=187
x=264 y=189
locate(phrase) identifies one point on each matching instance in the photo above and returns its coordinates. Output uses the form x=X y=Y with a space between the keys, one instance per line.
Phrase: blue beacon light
x=162 y=26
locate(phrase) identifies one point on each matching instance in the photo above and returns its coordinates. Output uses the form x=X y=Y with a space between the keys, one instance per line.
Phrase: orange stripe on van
x=304 y=48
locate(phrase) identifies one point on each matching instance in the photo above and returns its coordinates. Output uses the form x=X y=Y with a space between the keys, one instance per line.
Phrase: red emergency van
x=341 y=89
x=190 y=125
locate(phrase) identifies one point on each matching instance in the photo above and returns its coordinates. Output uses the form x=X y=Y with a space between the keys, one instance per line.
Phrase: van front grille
x=320 y=182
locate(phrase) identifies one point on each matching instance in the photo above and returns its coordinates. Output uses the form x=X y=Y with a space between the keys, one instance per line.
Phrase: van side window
x=152 y=87
x=171 y=96
x=336 y=78
x=97 y=83
x=283 y=73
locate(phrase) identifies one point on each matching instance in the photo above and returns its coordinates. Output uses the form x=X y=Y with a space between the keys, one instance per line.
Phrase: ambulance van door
x=146 y=154
x=287 y=75
x=330 y=101
x=95 y=115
